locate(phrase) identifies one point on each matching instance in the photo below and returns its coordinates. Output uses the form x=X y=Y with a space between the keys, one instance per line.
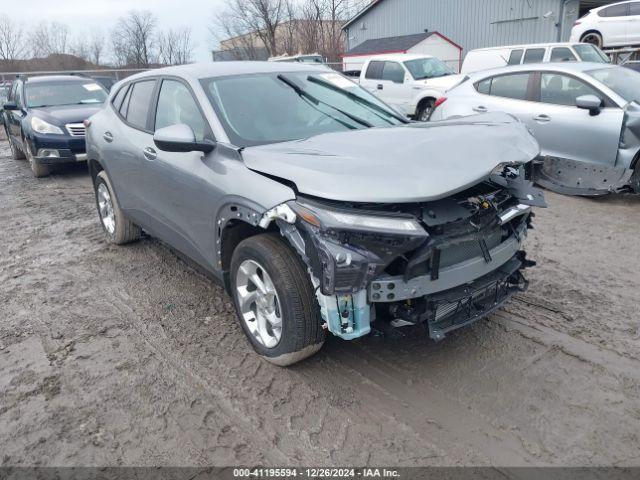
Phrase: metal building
x=470 y=23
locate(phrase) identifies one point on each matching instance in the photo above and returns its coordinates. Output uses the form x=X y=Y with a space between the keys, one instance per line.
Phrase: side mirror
x=180 y=138
x=591 y=103
x=10 y=106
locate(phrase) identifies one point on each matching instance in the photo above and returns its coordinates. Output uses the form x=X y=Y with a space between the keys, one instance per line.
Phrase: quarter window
x=516 y=57
x=563 y=90
x=176 y=105
x=139 y=101
x=562 y=54
x=534 y=55
x=117 y=100
x=484 y=86
x=374 y=71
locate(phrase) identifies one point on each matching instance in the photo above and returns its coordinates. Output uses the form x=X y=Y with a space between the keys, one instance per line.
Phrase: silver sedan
x=586 y=117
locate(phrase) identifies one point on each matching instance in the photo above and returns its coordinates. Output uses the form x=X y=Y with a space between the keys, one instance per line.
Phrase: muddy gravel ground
x=128 y=356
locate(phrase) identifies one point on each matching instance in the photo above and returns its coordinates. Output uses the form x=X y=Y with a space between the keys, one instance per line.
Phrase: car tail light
x=439 y=102
x=86 y=123
x=577 y=23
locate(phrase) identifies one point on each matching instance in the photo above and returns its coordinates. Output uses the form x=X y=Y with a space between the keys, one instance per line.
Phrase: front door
x=566 y=132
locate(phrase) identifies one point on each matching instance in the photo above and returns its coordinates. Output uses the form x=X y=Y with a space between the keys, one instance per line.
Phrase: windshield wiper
x=303 y=93
x=358 y=99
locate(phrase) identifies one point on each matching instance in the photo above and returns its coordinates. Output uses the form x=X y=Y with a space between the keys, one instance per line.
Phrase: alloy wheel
x=105 y=207
x=259 y=303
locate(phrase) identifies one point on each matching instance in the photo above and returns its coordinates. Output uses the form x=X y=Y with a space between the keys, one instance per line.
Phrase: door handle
x=480 y=109
x=542 y=118
x=380 y=86
x=150 y=153
x=108 y=137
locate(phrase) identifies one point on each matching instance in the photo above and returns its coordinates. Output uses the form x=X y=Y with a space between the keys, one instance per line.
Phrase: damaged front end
x=444 y=263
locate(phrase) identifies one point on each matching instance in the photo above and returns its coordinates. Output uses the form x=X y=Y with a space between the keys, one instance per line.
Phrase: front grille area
x=75 y=129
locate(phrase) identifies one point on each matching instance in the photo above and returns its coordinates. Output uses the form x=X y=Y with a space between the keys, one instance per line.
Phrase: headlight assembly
x=327 y=218
x=40 y=126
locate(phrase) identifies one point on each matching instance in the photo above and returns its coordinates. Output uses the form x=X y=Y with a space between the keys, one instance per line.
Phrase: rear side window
x=562 y=54
x=534 y=55
x=393 y=72
x=615 y=11
x=510 y=86
x=516 y=57
x=139 y=103
x=634 y=8
x=374 y=70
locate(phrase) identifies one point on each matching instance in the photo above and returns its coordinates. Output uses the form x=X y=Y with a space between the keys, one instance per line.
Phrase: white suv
x=614 y=25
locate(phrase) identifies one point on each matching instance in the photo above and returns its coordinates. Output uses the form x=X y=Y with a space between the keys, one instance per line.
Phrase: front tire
x=38 y=169
x=594 y=38
x=117 y=227
x=16 y=153
x=275 y=300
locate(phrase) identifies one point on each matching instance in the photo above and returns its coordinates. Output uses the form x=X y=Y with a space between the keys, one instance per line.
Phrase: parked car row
x=43 y=119
x=586 y=117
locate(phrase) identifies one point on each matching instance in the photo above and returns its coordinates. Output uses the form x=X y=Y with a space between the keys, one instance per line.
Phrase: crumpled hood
x=411 y=163
x=64 y=114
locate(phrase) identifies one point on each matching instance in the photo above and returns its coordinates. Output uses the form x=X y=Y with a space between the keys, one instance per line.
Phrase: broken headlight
x=329 y=219
x=349 y=248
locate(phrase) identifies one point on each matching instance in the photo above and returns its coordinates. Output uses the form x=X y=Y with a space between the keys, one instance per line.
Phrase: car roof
x=567 y=67
x=57 y=78
x=527 y=45
x=197 y=71
x=399 y=57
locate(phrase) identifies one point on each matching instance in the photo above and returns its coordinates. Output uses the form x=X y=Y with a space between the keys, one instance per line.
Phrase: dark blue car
x=43 y=118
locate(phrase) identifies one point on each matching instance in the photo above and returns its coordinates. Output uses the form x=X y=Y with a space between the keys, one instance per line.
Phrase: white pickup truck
x=410 y=83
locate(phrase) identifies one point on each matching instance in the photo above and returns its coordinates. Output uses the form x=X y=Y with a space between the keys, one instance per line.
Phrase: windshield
x=623 y=81
x=427 y=68
x=53 y=94
x=590 y=53
x=267 y=108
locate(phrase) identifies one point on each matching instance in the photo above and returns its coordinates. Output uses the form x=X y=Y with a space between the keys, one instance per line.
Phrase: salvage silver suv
x=318 y=206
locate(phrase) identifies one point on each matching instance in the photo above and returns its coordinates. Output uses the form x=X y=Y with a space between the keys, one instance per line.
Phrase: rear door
x=633 y=25
x=508 y=93
x=372 y=76
x=613 y=23
x=125 y=142
x=564 y=131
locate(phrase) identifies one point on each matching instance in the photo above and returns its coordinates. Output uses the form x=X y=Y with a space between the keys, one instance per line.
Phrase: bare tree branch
x=134 y=39
x=11 y=39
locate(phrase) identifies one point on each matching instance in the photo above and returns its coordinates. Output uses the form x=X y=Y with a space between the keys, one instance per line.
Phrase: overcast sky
x=84 y=15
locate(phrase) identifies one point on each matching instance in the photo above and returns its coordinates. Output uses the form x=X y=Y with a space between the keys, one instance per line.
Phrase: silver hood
x=410 y=163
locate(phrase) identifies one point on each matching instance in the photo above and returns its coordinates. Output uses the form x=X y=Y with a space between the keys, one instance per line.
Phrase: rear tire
x=594 y=38
x=297 y=328
x=117 y=227
x=425 y=110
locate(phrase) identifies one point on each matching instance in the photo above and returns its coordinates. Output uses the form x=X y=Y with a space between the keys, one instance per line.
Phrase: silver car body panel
x=428 y=160
x=581 y=153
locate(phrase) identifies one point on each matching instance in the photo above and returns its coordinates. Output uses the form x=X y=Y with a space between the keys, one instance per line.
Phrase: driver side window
x=176 y=105
x=393 y=72
x=562 y=90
